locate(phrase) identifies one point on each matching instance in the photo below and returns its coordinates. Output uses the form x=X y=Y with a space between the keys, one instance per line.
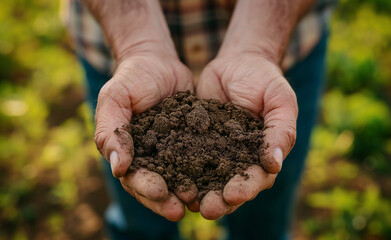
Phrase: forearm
x=263 y=26
x=132 y=26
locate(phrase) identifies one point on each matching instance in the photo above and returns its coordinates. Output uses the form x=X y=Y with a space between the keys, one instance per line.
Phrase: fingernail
x=114 y=159
x=278 y=155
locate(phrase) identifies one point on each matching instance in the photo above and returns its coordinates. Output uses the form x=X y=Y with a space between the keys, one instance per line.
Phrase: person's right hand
x=140 y=82
x=148 y=70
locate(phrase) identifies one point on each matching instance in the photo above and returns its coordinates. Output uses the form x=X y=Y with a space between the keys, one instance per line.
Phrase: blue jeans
x=268 y=215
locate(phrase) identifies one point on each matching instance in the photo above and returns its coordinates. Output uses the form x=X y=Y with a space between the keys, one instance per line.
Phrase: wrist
x=262 y=50
x=133 y=27
x=145 y=46
x=263 y=27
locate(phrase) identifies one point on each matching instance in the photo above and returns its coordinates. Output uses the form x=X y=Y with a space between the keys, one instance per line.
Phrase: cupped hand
x=140 y=82
x=254 y=82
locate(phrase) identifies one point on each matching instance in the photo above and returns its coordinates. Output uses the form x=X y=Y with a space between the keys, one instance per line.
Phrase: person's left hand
x=254 y=82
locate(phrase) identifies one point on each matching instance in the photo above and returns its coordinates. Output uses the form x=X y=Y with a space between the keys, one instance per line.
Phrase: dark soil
x=189 y=140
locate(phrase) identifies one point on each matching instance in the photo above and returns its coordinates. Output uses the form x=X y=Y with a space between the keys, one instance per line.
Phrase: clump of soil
x=189 y=140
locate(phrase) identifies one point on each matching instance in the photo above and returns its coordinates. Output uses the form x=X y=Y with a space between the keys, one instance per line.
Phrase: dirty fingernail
x=278 y=156
x=114 y=159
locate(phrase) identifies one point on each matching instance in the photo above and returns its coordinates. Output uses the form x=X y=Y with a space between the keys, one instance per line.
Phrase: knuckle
x=291 y=135
x=105 y=89
x=99 y=139
x=109 y=92
x=116 y=91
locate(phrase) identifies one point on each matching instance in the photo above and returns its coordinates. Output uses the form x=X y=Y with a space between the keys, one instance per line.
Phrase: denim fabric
x=266 y=217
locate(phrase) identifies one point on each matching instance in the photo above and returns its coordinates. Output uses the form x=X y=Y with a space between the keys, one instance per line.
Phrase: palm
x=243 y=81
x=138 y=84
x=146 y=80
x=254 y=83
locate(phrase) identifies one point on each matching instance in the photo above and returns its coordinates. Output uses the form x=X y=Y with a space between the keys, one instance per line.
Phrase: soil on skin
x=189 y=140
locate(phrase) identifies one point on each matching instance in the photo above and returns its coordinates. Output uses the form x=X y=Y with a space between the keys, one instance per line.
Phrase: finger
x=194 y=206
x=147 y=184
x=113 y=113
x=188 y=194
x=184 y=79
x=209 y=86
x=280 y=115
x=172 y=208
x=213 y=206
x=241 y=189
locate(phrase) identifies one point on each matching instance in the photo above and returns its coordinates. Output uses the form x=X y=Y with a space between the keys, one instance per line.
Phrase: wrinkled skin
x=253 y=82
x=246 y=72
x=249 y=81
x=139 y=83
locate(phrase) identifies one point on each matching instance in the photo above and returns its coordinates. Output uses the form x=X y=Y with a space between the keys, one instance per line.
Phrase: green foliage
x=355 y=213
x=366 y=116
x=346 y=195
x=46 y=129
x=348 y=8
x=194 y=226
x=41 y=150
x=359 y=53
x=359 y=76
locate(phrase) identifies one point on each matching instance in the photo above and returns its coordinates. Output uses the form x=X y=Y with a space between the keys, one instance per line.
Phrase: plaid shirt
x=197 y=28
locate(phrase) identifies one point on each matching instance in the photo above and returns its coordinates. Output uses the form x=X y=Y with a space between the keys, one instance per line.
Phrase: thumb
x=113 y=114
x=280 y=115
x=209 y=86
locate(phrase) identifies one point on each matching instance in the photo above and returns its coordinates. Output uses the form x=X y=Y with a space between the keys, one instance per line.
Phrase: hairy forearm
x=263 y=26
x=132 y=26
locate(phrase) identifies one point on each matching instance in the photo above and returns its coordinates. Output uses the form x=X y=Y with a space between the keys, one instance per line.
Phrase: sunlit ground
x=50 y=184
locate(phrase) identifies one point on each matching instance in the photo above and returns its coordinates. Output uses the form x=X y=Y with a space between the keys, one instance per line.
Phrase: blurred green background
x=50 y=184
